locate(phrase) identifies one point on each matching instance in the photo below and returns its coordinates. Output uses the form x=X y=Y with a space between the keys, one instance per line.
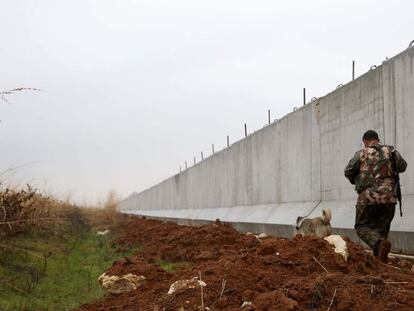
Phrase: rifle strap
x=394 y=166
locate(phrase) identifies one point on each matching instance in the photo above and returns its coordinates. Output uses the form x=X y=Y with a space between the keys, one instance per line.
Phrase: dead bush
x=26 y=210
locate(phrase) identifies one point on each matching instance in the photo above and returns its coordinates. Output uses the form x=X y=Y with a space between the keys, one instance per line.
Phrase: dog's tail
x=298 y=220
x=326 y=216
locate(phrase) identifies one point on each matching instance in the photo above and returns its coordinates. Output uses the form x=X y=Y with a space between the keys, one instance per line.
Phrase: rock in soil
x=120 y=284
x=339 y=245
x=183 y=285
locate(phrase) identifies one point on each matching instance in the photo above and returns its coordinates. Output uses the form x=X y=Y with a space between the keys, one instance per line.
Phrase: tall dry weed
x=25 y=210
x=105 y=215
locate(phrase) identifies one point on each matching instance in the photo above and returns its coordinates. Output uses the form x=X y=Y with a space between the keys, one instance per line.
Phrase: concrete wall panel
x=402 y=70
x=294 y=167
x=344 y=116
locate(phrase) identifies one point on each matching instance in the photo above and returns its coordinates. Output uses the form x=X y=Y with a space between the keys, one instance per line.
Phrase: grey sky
x=135 y=88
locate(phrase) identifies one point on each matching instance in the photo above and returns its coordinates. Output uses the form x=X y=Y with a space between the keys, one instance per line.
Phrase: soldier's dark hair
x=370 y=135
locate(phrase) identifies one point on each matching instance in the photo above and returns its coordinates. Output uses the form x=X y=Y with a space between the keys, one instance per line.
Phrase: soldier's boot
x=384 y=247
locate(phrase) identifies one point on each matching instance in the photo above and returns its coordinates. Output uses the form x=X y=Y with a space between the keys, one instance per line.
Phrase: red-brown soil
x=271 y=273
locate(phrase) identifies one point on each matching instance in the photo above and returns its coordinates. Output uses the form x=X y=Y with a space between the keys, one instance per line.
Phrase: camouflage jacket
x=371 y=171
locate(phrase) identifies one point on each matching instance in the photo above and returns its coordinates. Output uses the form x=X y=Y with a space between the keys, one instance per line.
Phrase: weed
x=67 y=280
x=172 y=266
x=166 y=265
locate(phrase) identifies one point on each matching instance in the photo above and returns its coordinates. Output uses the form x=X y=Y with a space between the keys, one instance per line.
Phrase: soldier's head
x=370 y=137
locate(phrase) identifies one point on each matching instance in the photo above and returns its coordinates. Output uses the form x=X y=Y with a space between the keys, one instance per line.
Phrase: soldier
x=374 y=172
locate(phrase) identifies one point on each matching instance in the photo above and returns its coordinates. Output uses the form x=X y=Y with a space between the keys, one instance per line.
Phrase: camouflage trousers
x=372 y=222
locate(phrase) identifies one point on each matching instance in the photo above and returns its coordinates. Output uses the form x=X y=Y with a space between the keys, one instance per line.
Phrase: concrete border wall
x=295 y=166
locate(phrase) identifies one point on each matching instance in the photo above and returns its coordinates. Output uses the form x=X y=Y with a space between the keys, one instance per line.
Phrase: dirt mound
x=171 y=242
x=302 y=273
x=138 y=266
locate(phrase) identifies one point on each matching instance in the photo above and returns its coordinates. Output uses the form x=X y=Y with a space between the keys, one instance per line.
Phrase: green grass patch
x=173 y=266
x=167 y=266
x=53 y=273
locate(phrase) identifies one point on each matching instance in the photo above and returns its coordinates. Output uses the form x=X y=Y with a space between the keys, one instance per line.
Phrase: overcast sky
x=132 y=89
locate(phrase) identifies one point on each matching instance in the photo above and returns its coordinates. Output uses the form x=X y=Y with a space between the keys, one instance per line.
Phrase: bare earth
x=267 y=274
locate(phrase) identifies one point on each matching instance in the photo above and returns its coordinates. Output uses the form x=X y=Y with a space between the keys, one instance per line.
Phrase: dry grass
x=25 y=210
x=50 y=252
x=103 y=219
x=106 y=215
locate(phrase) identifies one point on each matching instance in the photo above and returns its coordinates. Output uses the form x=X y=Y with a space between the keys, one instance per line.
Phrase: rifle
x=397 y=187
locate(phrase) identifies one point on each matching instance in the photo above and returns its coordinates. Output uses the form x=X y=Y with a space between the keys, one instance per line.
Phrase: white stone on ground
x=182 y=285
x=105 y=232
x=120 y=284
x=339 y=245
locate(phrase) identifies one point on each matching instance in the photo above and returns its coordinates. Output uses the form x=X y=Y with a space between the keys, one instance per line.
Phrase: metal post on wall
x=180 y=168
x=268 y=116
x=202 y=156
x=194 y=160
x=185 y=164
x=245 y=130
x=304 y=96
x=353 y=70
x=212 y=148
x=228 y=141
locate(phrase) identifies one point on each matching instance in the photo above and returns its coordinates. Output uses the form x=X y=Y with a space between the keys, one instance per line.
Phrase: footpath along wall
x=295 y=165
